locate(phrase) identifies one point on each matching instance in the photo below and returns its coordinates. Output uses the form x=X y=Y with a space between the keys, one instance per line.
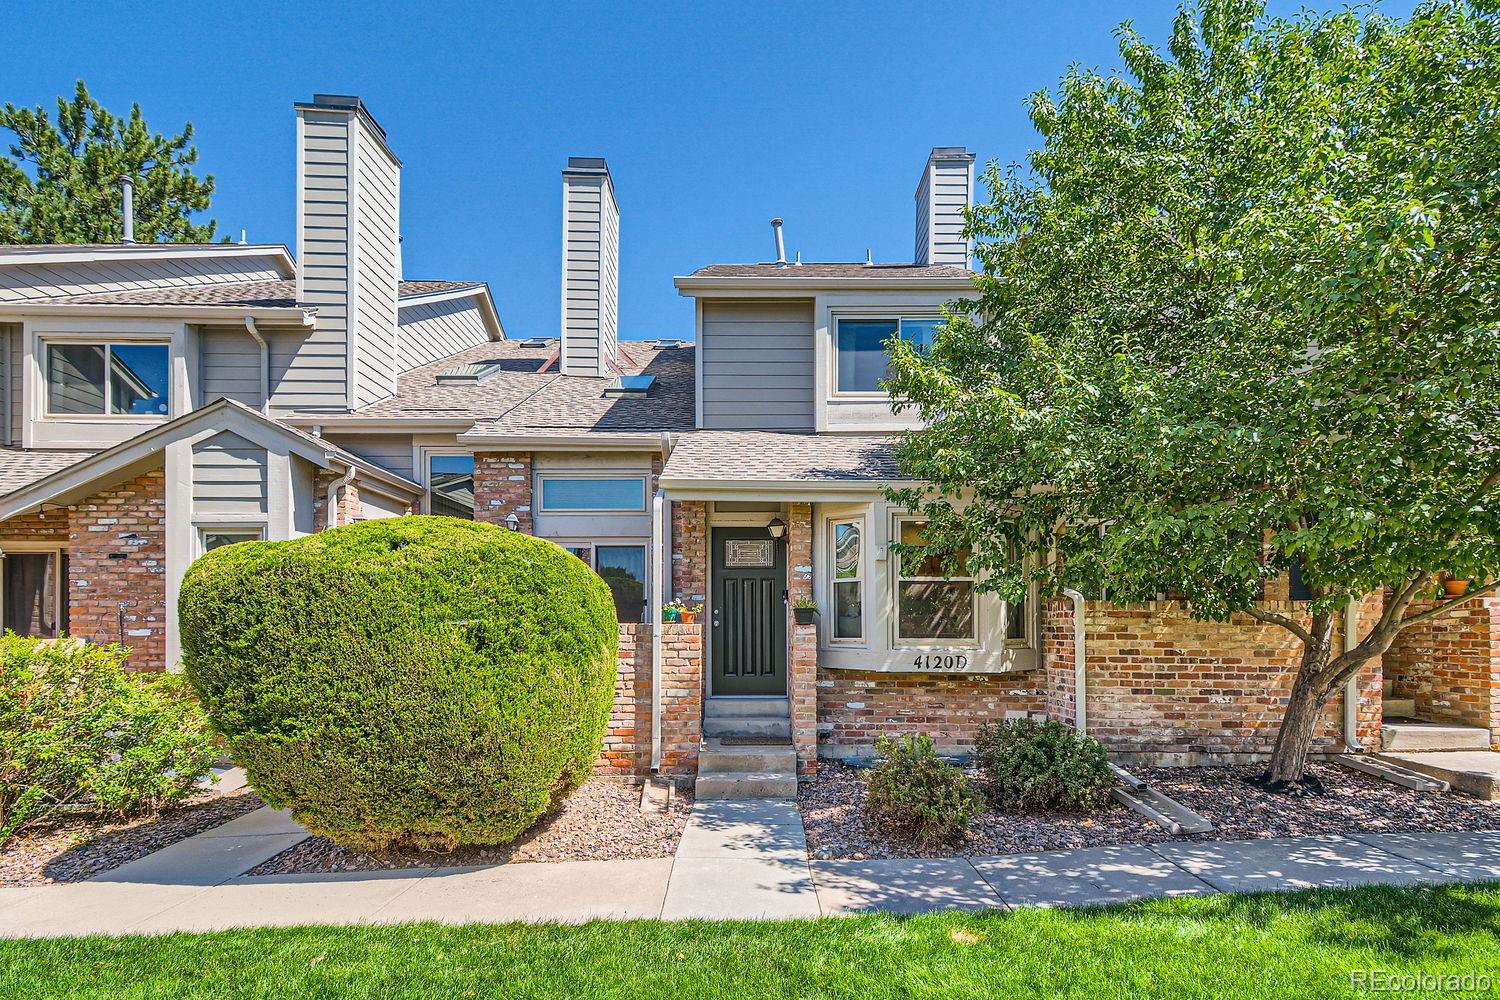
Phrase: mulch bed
x=601 y=821
x=833 y=814
x=71 y=846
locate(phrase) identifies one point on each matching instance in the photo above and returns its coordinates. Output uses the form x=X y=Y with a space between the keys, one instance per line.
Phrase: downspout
x=1351 y=686
x=265 y=364
x=331 y=519
x=1080 y=661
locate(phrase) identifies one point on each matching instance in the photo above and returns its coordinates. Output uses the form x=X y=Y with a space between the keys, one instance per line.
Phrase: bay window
x=932 y=608
x=107 y=379
x=860 y=344
x=848 y=587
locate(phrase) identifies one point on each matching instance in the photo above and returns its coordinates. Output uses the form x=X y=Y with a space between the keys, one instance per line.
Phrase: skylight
x=471 y=374
x=630 y=385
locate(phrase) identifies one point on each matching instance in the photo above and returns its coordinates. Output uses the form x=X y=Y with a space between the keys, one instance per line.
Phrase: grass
x=1283 y=945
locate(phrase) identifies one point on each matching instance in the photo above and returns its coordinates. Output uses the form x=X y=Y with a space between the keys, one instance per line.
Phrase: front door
x=748 y=641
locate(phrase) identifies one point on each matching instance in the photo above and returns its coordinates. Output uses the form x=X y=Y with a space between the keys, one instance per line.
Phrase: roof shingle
x=832 y=270
x=773 y=456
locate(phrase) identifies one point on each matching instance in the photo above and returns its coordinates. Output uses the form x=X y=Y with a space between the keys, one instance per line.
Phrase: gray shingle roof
x=19 y=468
x=772 y=456
x=854 y=270
x=428 y=287
x=259 y=294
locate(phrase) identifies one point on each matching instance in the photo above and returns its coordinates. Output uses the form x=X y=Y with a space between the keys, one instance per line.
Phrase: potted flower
x=805 y=611
x=672 y=612
x=1454 y=587
x=688 y=615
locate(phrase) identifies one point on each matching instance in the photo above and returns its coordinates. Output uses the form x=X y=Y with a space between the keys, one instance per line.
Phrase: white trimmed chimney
x=945 y=190
x=591 y=269
x=348 y=238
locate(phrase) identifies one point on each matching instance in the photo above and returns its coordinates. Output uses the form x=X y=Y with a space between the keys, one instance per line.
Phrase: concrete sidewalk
x=737 y=860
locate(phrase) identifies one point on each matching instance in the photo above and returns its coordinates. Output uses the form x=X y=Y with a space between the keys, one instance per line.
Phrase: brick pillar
x=346 y=505
x=117 y=566
x=681 y=697
x=627 y=742
x=502 y=486
x=802 y=679
x=689 y=551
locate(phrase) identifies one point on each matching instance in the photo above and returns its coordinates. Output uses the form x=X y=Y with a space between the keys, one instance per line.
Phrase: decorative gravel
x=71 y=847
x=601 y=821
x=834 y=816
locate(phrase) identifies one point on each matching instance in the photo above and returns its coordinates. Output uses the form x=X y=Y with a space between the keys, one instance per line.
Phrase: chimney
x=591 y=269
x=127 y=208
x=945 y=190
x=348 y=238
x=780 y=243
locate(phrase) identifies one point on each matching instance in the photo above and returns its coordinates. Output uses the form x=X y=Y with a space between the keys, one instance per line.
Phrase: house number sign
x=748 y=553
x=941 y=661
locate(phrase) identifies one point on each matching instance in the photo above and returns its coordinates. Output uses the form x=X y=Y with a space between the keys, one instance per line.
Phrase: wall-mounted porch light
x=777 y=528
x=512 y=521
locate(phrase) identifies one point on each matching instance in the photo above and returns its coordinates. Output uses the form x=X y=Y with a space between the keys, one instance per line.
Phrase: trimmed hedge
x=412 y=682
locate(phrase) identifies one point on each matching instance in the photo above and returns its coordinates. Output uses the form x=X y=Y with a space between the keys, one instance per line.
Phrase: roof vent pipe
x=127 y=208
x=780 y=243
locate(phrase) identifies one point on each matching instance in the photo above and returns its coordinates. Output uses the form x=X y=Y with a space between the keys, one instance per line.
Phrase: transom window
x=861 y=347
x=450 y=485
x=929 y=607
x=611 y=494
x=847 y=541
x=623 y=567
x=215 y=538
x=108 y=379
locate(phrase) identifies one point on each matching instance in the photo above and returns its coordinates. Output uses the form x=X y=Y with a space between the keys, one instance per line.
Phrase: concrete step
x=778 y=784
x=1418 y=735
x=1388 y=687
x=726 y=707
x=715 y=758
x=1473 y=772
x=747 y=726
x=1399 y=708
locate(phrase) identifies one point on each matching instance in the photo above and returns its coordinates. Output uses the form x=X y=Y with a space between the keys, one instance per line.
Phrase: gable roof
x=774 y=459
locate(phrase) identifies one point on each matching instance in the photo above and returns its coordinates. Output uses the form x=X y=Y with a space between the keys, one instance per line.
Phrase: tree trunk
x=1315 y=681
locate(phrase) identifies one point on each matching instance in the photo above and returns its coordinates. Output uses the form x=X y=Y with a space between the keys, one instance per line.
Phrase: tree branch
x=1436 y=610
x=1272 y=618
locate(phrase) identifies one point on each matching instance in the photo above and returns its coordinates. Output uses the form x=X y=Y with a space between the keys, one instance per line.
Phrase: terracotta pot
x=687 y=617
x=1455 y=588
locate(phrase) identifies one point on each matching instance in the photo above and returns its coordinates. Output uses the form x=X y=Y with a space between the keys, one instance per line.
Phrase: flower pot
x=805 y=616
x=669 y=615
x=687 y=617
x=1455 y=588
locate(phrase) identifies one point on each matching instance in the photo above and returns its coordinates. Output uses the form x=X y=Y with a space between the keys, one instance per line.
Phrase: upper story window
x=108 y=379
x=576 y=495
x=450 y=485
x=860 y=346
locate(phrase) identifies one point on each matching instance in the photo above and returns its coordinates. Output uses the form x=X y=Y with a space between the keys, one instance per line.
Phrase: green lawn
x=1302 y=944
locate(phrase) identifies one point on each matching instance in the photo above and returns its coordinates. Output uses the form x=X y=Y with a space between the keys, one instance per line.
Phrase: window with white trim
x=114 y=379
x=862 y=361
x=623 y=567
x=450 y=485
x=846 y=540
x=576 y=494
x=216 y=538
x=932 y=608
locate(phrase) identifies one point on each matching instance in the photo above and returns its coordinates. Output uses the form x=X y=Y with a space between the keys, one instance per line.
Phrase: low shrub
x=410 y=682
x=77 y=729
x=1042 y=765
x=916 y=795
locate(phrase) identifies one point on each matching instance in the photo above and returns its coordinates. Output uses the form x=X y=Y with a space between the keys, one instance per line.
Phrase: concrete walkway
x=737 y=860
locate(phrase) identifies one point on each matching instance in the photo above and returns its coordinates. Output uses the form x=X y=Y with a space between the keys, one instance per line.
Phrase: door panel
x=748 y=621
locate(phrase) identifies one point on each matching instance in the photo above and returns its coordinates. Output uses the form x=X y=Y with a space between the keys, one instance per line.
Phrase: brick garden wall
x=114 y=580
x=502 y=486
x=1451 y=665
x=1164 y=685
x=627 y=744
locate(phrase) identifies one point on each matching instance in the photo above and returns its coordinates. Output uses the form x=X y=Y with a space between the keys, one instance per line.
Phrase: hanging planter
x=804 y=612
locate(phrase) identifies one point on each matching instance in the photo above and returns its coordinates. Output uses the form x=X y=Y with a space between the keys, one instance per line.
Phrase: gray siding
x=942 y=195
x=28 y=281
x=434 y=330
x=305 y=372
x=392 y=452
x=229 y=365
x=229 y=476
x=757 y=359
x=376 y=260
x=591 y=265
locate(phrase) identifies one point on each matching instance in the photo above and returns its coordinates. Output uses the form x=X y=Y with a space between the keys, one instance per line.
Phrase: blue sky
x=713 y=118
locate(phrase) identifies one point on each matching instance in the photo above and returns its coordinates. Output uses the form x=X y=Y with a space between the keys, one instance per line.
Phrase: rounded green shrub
x=412 y=682
x=917 y=796
x=1042 y=765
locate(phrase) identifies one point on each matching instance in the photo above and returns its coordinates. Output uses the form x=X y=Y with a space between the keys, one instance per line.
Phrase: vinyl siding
x=942 y=196
x=377 y=262
x=311 y=373
x=229 y=365
x=757 y=359
x=392 y=452
x=436 y=330
x=229 y=476
x=28 y=281
x=591 y=235
x=10 y=361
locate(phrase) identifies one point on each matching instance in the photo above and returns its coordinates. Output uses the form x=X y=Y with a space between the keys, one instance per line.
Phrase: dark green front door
x=748 y=621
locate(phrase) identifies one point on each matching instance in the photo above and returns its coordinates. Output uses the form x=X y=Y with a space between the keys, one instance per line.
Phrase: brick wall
x=627 y=743
x=855 y=707
x=502 y=486
x=114 y=580
x=1164 y=685
x=51 y=526
x=347 y=503
x=1451 y=665
x=802 y=676
x=690 y=551
x=681 y=698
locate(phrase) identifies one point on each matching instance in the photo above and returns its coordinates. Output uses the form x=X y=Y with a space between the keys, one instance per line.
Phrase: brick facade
x=627 y=743
x=347 y=503
x=1450 y=665
x=117 y=566
x=502 y=486
x=690 y=551
x=855 y=707
x=681 y=698
x=49 y=526
x=802 y=672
